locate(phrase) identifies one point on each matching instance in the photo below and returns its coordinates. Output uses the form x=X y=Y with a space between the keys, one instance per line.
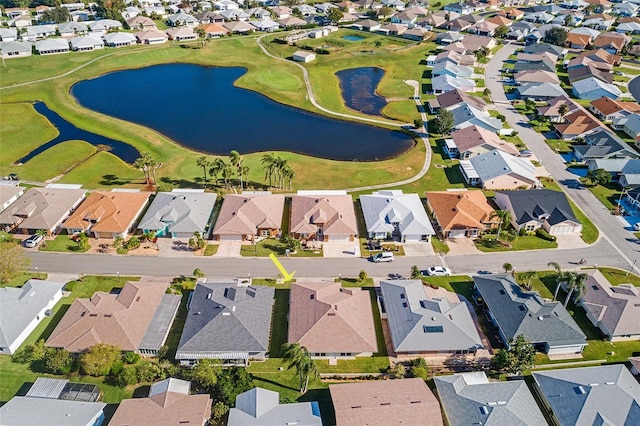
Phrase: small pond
x=569 y=157
x=358 y=86
x=353 y=38
x=200 y=108
x=578 y=170
x=68 y=132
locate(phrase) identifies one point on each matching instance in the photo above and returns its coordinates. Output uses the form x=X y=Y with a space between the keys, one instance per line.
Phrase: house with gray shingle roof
x=261 y=407
x=227 y=320
x=52 y=46
x=422 y=325
x=603 y=144
x=249 y=215
x=514 y=311
x=22 y=309
x=9 y=194
x=603 y=395
x=539 y=91
x=467 y=114
x=499 y=170
x=615 y=310
x=179 y=213
x=539 y=208
x=625 y=171
x=471 y=399
x=393 y=214
x=119 y=39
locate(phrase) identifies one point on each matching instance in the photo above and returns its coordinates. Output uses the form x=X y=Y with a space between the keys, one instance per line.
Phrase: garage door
x=230 y=237
x=461 y=233
x=562 y=229
x=338 y=238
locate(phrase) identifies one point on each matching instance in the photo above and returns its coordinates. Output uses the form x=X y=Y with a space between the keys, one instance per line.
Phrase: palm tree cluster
x=574 y=281
x=277 y=170
x=148 y=165
x=219 y=167
x=298 y=357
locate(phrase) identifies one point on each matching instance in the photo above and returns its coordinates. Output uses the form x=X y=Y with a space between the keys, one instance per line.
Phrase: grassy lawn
x=590 y=232
x=270 y=245
x=23 y=278
x=439 y=246
x=62 y=243
x=608 y=195
x=104 y=170
x=618 y=276
x=211 y=249
x=488 y=244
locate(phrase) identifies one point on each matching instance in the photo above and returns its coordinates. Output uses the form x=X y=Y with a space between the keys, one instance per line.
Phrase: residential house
x=393 y=214
x=593 y=88
x=547 y=325
x=331 y=321
x=454 y=98
x=71 y=29
x=39 y=32
x=460 y=7
x=249 y=215
x=538 y=17
x=130 y=12
x=498 y=170
x=8 y=34
x=599 y=21
x=470 y=43
x=577 y=124
x=458 y=25
x=169 y=402
x=52 y=46
x=106 y=214
x=55 y=402
x=367 y=25
x=23 y=308
x=393 y=29
x=179 y=213
x=578 y=41
x=539 y=208
x=214 y=30
x=227 y=320
x=14 y=12
x=385 y=402
x=137 y=319
x=258 y=407
x=404 y=18
x=238 y=27
x=470 y=398
x=612 y=42
x=460 y=213
x=600 y=58
x=15 y=49
x=613 y=309
x=141 y=23
x=601 y=6
x=151 y=36
x=629 y=28
x=632 y=126
x=236 y=15
x=86 y=43
x=302 y=56
x=453 y=57
x=41 y=208
x=539 y=91
x=536 y=76
x=446 y=83
x=557 y=51
x=465 y=115
x=608 y=109
x=449 y=37
x=603 y=144
x=536 y=62
x=281 y=12
x=323 y=216
x=452 y=70
x=209 y=17
x=583 y=72
x=104 y=25
x=590 y=395
x=439 y=19
x=552 y=109
x=500 y=21
x=474 y=140
x=182 y=19
x=181 y=34
x=266 y=25
x=427 y=323
x=119 y=39
x=9 y=194
x=624 y=171
x=511 y=13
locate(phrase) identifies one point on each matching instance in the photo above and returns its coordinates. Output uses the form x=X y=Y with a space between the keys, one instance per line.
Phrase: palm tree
x=42 y=233
x=527 y=277
x=288 y=173
x=563 y=110
x=507 y=267
x=140 y=164
x=215 y=169
x=269 y=165
x=245 y=174
x=280 y=167
x=560 y=277
x=299 y=357
x=504 y=216
x=416 y=274
x=236 y=161
x=576 y=282
x=202 y=162
x=226 y=172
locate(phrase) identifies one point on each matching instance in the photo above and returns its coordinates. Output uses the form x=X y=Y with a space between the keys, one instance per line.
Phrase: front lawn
x=488 y=244
x=619 y=276
x=62 y=243
x=211 y=249
x=590 y=232
x=21 y=279
x=270 y=245
x=439 y=246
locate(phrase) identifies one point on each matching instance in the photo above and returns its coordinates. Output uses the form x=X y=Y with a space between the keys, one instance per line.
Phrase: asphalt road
x=634 y=88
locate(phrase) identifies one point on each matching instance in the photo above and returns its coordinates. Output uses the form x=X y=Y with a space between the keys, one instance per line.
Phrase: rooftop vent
x=580 y=390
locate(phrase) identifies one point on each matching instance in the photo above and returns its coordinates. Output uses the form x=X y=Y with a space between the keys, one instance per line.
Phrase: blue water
x=631 y=212
x=569 y=156
x=200 y=108
x=352 y=38
x=578 y=171
x=68 y=132
x=358 y=86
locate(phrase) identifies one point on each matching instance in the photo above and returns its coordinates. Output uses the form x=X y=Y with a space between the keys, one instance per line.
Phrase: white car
x=636 y=227
x=438 y=271
x=33 y=241
x=385 y=256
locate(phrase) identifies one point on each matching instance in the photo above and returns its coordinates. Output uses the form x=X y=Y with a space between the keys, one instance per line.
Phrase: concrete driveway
x=418 y=249
x=461 y=246
x=228 y=249
x=341 y=249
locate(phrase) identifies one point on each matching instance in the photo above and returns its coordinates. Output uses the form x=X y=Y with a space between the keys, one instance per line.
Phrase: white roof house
x=397 y=215
x=499 y=170
x=119 y=39
x=86 y=43
x=446 y=83
x=15 y=49
x=302 y=56
x=261 y=407
x=593 y=88
x=52 y=46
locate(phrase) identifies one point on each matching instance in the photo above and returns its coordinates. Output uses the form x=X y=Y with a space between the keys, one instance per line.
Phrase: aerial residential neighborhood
x=287 y=212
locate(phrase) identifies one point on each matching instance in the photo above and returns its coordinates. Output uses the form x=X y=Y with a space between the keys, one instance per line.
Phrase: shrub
x=58 y=361
x=117 y=367
x=541 y=233
x=149 y=371
x=127 y=377
x=522 y=232
x=131 y=357
x=133 y=243
x=99 y=360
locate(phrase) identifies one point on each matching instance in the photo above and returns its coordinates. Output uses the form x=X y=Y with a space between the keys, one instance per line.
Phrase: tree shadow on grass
x=280 y=385
x=278 y=249
x=279 y=324
x=453 y=175
x=113 y=180
x=323 y=398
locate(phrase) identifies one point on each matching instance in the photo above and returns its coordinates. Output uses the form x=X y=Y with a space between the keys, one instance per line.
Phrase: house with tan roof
x=613 y=309
x=500 y=21
x=107 y=214
x=612 y=42
x=576 y=124
x=151 y=36
x=137 y=319
x=249 y=215
x=214 y=30
x=600 y=58
x=608 y=109
x=475 y=140
x=323 y=216
x=331 y=321
x=578 y=41
x=385 y=402
x=536 y=76
x=169 y=402
x=141 y=23
x=41 y=208
x=461 y=213
x=181 y=34
x=9 y=194
x=552 y=109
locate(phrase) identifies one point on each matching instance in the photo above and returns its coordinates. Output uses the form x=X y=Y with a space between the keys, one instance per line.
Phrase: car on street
x=385 y=256
x=33 y=241
x=636 y=227
x=438 y=271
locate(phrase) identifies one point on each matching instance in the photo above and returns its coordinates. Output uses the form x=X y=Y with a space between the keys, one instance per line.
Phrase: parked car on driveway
x=33 y=241
x=385 y=256
x=438 y=271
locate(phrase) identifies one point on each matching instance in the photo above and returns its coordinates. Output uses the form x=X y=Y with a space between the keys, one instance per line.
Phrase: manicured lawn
x=590 y=232
x=270 y=245
x=23 y=278
x=62 y=243
x=488 y=244
x=104 y=170
x=439 y=246
x=618 y=276
x=608 y=195
x=57 y=160
x=211 y=249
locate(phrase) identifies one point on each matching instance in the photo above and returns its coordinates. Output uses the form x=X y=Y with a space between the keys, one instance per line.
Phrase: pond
x=578 y=170
x=200 y=108
x=358 y=86
x=352 y=38
x=68 y=132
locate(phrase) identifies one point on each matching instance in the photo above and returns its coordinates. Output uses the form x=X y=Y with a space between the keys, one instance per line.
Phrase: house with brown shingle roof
x=323 y=216
x=385 y=402
x=600 y=58
x=141 y=23
x=536 y=76
x=107 y=214
x=249 y=215
x=169 y=403
x=455 y=97
x=552 y=109
x=578 y=41
x=500 y=21
x=612 y=42
x=613 y=309
x=137 y=319
x=41 y=208
x=608 y=109
x=475 y=140
x=577 y=124
x=461 y=213
x=331 y=321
